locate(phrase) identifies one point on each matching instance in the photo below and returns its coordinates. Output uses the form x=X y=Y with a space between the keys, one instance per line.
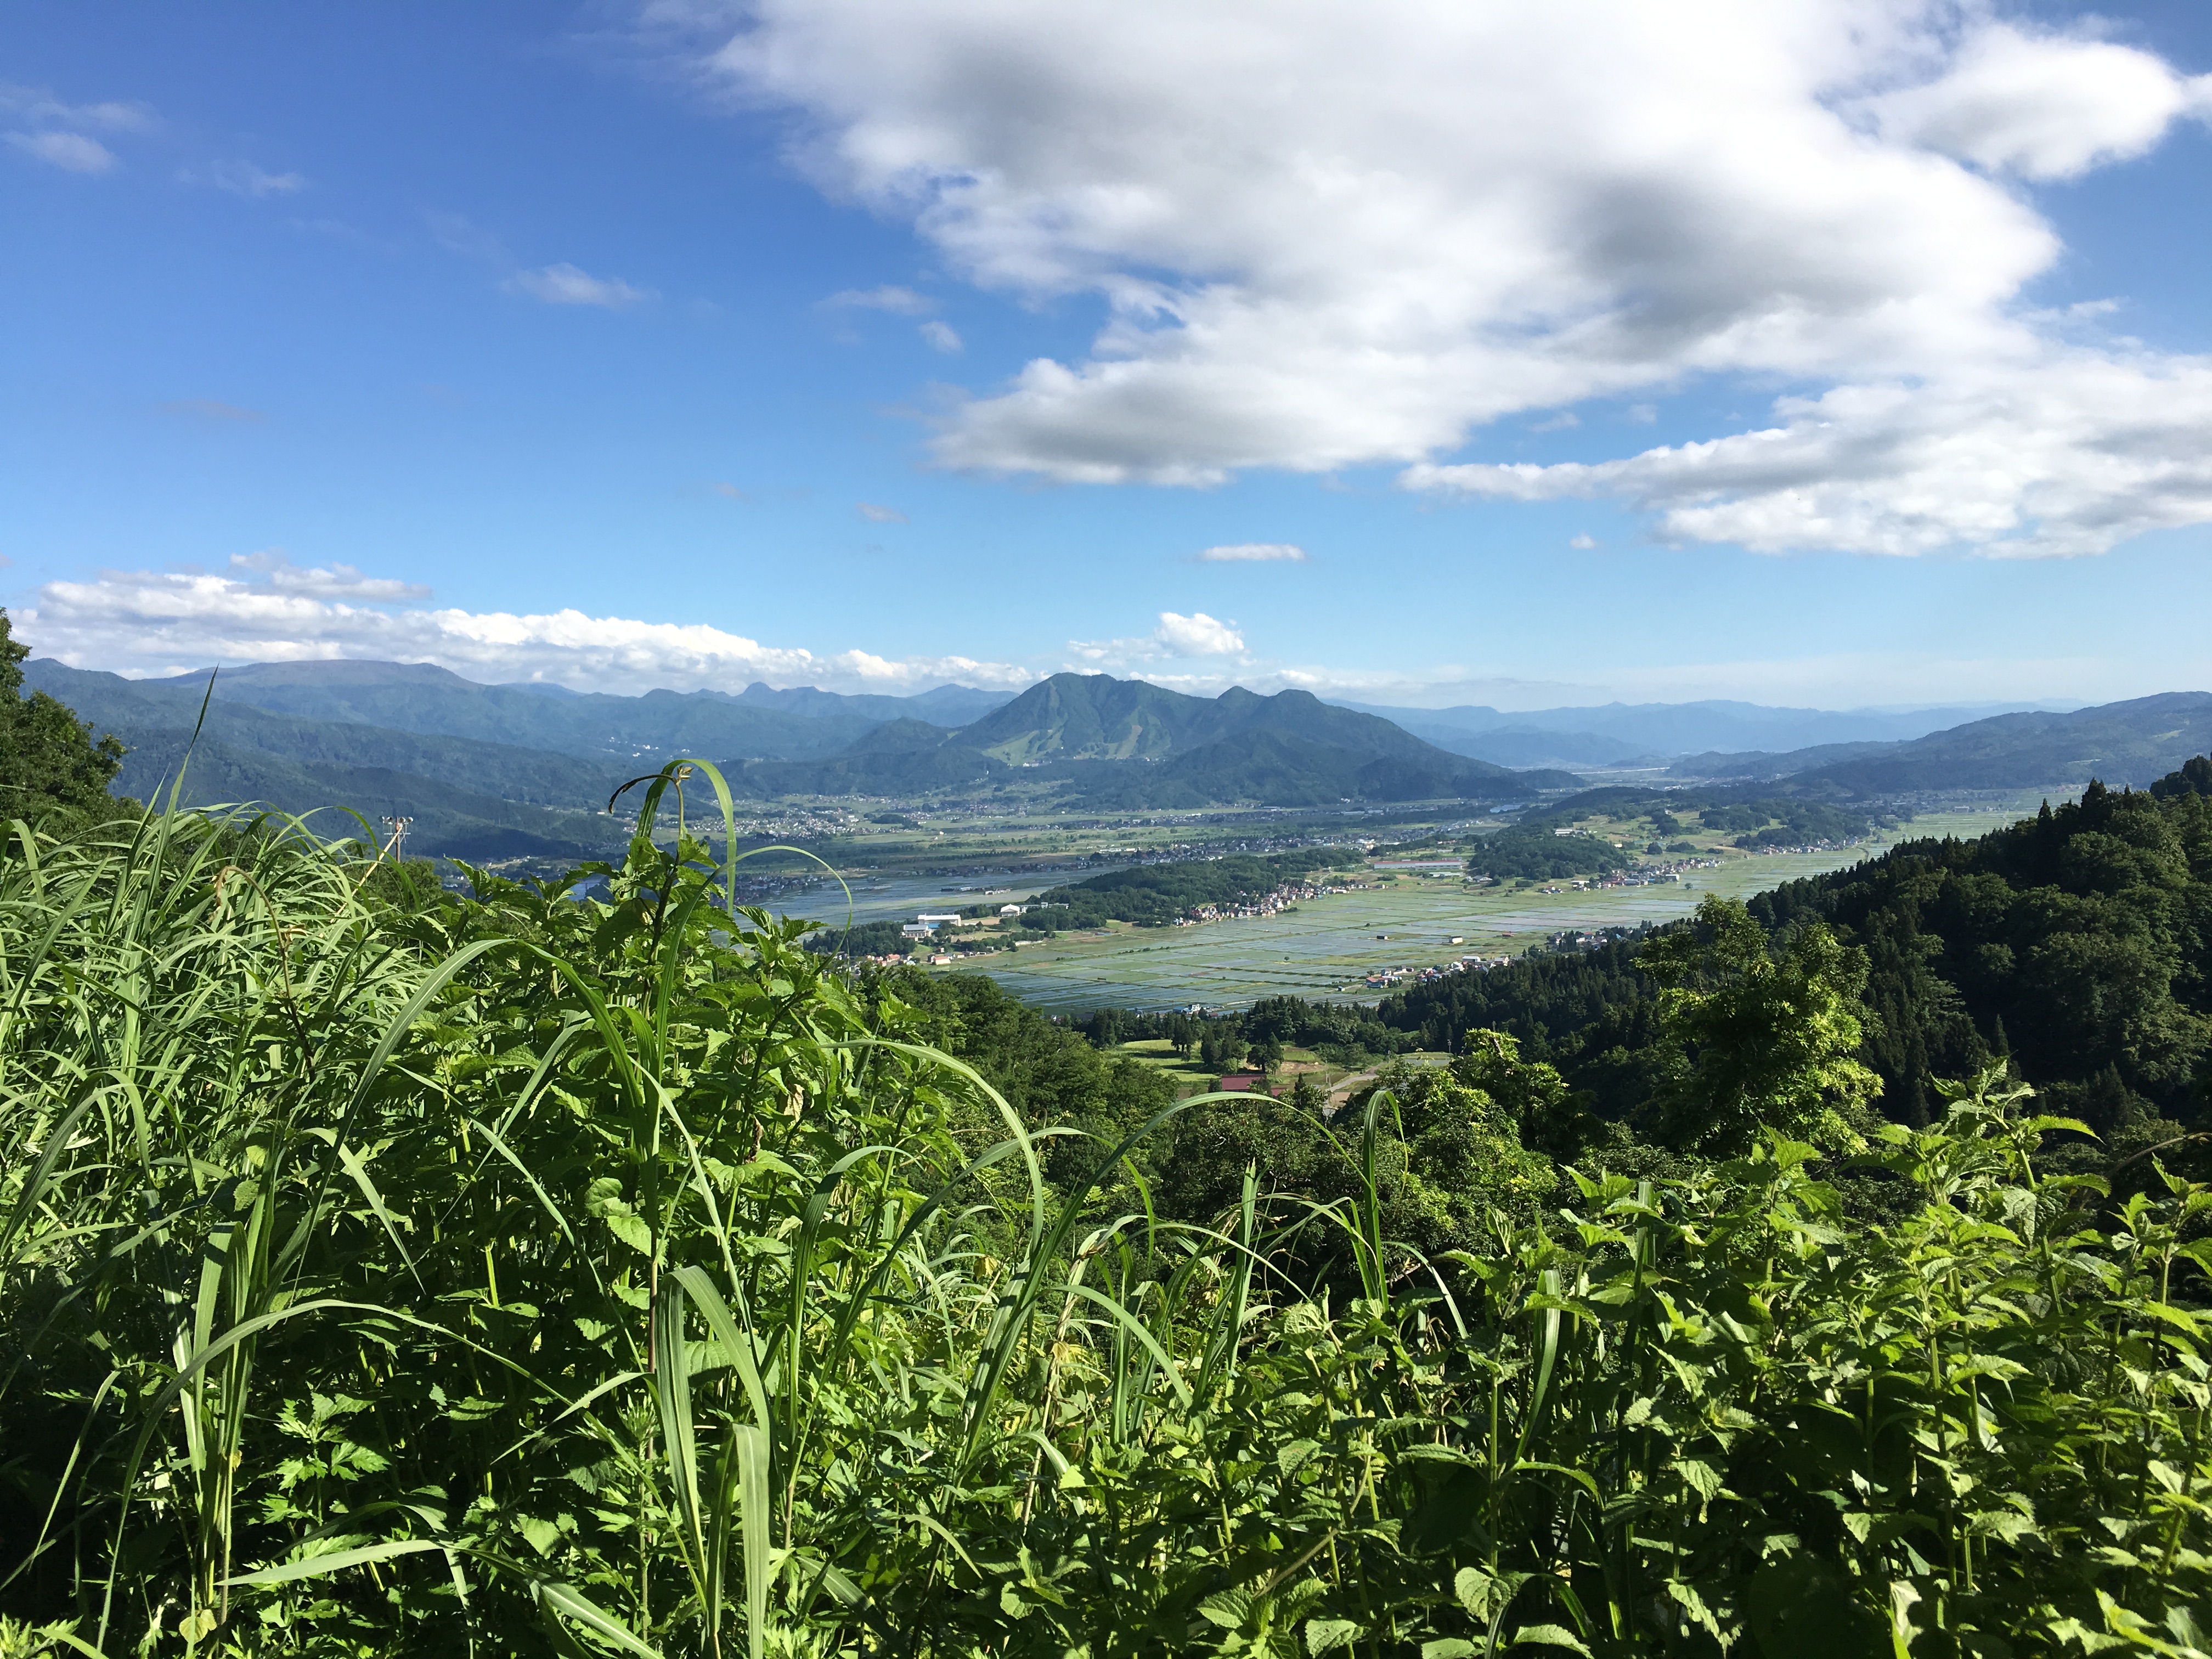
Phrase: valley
x=1393 y=926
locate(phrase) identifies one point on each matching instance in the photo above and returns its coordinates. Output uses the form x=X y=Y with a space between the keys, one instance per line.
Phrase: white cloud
x=336 y=581
x=2043 y=107
x=1326 y=236
x=1582 y=543
x=2071 y=455
x=1254 y=553
x=263 y=609
x=899 y=301
x=876 y=514
x=1199 y=635
x=941 y=337
x=1177 y=637
x=565 y=285
x=729 y=490
x=72 y=152
x=244 y=179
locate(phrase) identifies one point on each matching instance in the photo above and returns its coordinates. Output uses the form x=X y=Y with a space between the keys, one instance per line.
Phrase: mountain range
x=2124 y=744
x=1128 y=743
x=493 y=771
x=1624 y=734
x=490 y=771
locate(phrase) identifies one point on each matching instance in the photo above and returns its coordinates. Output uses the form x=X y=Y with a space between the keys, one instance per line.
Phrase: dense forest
x=2076 y=947
x=587 y=1267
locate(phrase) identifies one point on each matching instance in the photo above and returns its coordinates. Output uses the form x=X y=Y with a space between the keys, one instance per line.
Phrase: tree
x=1530 y=1094
x=49 y=763
x=1762 y=1038
x=1267 y=1054
x=1183 y=1035
x=2195 y=778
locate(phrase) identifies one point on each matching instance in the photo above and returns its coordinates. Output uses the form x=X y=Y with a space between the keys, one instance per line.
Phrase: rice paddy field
x=1326 y=947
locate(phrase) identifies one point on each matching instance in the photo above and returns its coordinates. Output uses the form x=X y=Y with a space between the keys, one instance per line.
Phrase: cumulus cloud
x=2068 y=455
x=1177 y=637
x=876 y=514
x=72 y=152
x=2042 y=106
x=263 y=609
x=1582 y=543
x=1328 y=236
x=1254 y=553
x=564 y=284
x=1199 y=635
x=941 y=337
x=244 y=179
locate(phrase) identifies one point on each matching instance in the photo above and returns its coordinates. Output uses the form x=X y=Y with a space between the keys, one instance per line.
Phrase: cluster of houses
x=1273 y=904
x=1384 y=978
x=1643 y=875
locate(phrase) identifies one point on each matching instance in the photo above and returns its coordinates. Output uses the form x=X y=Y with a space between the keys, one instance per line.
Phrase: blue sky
x=872 y=347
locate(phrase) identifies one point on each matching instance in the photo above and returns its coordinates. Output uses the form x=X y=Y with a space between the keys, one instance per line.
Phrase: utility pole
x=397 y=847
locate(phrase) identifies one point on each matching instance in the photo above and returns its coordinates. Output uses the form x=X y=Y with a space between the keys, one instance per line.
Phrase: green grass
x=528 y=1276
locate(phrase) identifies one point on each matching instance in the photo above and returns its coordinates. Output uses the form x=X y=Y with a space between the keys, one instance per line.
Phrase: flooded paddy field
x=1326 y=947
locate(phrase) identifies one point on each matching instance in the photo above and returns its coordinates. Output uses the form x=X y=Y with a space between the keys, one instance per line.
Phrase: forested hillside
x=2123 y=743
x=1108 y=744
x=2077 y=944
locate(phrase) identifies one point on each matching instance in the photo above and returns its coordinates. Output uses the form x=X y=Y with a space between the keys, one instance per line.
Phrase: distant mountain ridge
x=469 y=798
x=493 y=771
x=2128 y=744
x=1128 y=743
x=420 y=698
x=944 y=705
x=1617 y=734
x=490 y=771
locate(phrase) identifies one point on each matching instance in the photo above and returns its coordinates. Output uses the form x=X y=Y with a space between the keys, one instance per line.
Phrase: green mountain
x=1109 y=744
x=421 y=698
x=946 y=705
x=469 y=799
x=450 y=820
x=2123 y=743
x=1096 y=717
x=401 y=739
